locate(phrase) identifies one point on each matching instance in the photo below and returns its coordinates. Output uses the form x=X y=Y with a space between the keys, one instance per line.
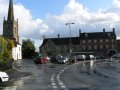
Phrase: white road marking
x=9 y=88
x=53 y=82
x=60 y=81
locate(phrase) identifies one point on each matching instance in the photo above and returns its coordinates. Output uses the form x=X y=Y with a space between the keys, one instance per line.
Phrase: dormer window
x=109 y=34
x=86 y=35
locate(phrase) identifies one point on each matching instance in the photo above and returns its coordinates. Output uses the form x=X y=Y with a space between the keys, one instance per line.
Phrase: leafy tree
x=28 y=48
x=6 y=46
x=10 y=44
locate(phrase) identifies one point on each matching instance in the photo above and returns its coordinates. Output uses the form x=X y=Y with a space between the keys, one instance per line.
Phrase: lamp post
x=70 y=38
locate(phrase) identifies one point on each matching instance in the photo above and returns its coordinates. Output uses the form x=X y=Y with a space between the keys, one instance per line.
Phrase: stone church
x=10 y=31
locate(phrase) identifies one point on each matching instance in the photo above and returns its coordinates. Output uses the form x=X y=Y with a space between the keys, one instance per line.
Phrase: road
x=80 y=76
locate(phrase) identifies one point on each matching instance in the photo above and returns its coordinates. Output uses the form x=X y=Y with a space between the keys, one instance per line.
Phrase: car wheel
x=0 y=80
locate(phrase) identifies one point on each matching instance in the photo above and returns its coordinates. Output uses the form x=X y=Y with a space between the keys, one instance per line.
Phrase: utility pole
x=69 y=24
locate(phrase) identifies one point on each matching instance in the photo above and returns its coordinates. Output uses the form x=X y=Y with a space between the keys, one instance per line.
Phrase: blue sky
x=48 y=17
x=40 y=8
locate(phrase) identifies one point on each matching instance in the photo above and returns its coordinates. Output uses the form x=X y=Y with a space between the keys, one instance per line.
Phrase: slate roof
x=97 y=35
x=63 y=41
x=76 y=40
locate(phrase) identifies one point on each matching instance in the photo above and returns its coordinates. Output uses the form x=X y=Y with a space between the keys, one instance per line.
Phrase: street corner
x=16 y=75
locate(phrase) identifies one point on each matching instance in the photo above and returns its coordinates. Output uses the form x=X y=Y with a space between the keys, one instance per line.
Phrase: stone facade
x=59 y=45
x=10 y=31
x=98 y=43
x=10 y=26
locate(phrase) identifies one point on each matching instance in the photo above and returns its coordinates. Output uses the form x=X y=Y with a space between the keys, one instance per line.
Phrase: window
x=101 y=46
x=107 y=46
x=83 y=41
x=84 y=47
x=19 y=49
x=95 y=47
x=89 y=41
x=109 y=34
x=101 y=40
x=95 y=41
x=113 y=40
x=107 y=40
x=113 y=46
x=89 y=47
x=86 y=35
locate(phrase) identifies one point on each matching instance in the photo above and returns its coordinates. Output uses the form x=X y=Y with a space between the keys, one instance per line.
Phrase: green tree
x=10 y=44
x=28 y=48
x=6 y=46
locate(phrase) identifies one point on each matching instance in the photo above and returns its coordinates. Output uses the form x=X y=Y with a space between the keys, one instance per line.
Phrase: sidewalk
x=15 y=74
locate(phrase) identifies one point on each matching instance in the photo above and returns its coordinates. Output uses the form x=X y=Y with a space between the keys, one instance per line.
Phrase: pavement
x=16 y=74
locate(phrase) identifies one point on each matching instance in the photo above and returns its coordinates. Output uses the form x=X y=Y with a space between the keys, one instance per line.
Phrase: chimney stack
x=58 y=36
x=103 y=29
x=79 y=32
x=114 y=30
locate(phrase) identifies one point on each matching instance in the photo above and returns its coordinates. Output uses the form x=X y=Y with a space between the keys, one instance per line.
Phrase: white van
x=80 y=57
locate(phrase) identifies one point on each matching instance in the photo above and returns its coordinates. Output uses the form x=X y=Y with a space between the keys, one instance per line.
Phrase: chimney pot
x=114 y=30
x=103 y=29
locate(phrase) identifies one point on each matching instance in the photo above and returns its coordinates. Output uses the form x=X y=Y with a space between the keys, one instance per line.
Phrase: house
x=99 y=43
x=60 y=45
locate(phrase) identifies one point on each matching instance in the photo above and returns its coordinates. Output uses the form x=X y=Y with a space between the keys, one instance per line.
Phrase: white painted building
x=17 y=52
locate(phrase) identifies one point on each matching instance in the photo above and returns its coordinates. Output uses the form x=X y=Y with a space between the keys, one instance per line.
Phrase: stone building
x=118 y=45
x=98 y=43
x=60 y=45
x=10 y=31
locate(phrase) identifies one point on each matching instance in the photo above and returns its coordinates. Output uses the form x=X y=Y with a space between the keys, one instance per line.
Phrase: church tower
x=10 y=26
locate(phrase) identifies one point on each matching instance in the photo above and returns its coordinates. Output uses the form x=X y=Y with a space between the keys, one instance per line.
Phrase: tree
x=28 y=48
x=6 y=46
x=10 y=44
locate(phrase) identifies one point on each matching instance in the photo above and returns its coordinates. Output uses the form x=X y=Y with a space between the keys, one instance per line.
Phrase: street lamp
x=70 y=37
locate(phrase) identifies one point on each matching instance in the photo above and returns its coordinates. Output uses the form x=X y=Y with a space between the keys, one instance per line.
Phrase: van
x=80 y=57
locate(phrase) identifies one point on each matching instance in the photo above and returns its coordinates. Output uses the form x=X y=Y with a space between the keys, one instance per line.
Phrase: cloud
x=53 y=25
x=84 y=19
x=28 y=27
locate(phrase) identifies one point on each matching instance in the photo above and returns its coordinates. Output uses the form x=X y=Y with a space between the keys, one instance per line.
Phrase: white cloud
x=52 y=24
x=28 y=27
x=85 y=19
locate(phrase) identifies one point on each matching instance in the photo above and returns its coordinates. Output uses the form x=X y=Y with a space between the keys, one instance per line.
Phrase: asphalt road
x=80 y=76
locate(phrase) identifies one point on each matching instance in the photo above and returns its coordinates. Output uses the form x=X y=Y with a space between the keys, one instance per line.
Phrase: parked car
x=53 y=59
x=3 y=77
x=62 y=59
x=90 y=57
x=80 y=57
x=117 y=55
x=41 y=60
x=100 y=57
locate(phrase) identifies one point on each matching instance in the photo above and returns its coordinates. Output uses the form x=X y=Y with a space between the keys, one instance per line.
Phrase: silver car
x=62 y=59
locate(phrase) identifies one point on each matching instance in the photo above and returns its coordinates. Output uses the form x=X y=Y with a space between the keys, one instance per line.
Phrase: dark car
x=100 y=57
x=41 y=60
x=53 y=59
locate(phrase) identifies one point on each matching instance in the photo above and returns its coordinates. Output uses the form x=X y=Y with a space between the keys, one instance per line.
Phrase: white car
x=3 y=77
x=62 y=59
x=80 y=57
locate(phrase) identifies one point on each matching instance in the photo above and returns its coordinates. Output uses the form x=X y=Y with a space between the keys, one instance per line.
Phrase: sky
x=38 y=18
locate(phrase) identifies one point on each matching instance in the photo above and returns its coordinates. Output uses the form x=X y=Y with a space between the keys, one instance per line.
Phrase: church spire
x=10 y=11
